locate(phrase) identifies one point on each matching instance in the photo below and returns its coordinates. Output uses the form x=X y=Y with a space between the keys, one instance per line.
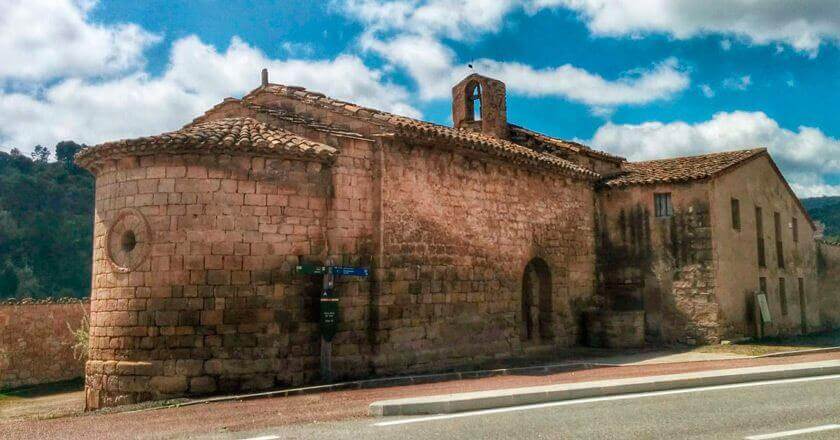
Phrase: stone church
x=485 y=241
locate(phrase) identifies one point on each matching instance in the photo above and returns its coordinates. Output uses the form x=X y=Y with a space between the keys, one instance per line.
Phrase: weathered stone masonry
x=485 y=241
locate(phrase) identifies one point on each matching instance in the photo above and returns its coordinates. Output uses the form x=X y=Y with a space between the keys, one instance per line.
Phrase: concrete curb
x=405 y=380
x=453 y=403
x=800 y=352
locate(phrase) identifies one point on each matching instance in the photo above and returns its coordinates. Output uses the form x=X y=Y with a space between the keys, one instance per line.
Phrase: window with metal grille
x=783 y=296
x=759 y=231
x=662 y=205
x=736 y=214
x=780 y=252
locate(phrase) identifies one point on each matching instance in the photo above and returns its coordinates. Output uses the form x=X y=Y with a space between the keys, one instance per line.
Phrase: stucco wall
x=662 y=265
x=828 y=284
x=457 y=235
x=36 y=344
x=755 y=183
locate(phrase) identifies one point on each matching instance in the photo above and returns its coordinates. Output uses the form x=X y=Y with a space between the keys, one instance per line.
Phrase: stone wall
x=458 y=233
x=205 y=300
x=615 y=328
x=662 y=265
x=828 y=284
x=36 y=344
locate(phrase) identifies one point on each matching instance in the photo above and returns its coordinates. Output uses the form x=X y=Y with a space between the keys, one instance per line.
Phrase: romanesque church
x=484 y=240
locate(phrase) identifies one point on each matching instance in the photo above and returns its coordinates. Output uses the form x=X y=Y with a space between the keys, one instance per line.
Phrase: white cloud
x=197 y=77
x=47 y=39
x=639 y=86
x=738 y=83
x=803 y=25
x=707 y=91
x=455 y=19
x=432 y=66
x=807 y=156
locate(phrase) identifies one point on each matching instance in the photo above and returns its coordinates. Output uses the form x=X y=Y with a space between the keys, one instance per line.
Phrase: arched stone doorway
x=537 y=305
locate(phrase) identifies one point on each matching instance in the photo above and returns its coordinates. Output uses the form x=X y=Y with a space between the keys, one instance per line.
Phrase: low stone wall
x=36 y=345
x=828 y=283
x=615 y=329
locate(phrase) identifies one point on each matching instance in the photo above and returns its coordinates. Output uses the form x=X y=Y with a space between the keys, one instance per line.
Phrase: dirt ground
x=775 y=345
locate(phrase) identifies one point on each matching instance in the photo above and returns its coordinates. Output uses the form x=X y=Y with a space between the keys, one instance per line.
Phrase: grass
x=777 y=344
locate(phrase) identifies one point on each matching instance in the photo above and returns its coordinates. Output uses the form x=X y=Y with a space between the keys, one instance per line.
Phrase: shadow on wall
x=662 y=266
x=828 y=283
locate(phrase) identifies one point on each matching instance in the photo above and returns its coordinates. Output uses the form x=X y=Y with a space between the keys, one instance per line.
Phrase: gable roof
x=691 y=168
x=227 y=135
x=679 y=169
x=390 y=123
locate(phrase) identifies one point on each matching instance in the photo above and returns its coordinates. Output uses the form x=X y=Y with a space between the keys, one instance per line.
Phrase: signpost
x=328 y=322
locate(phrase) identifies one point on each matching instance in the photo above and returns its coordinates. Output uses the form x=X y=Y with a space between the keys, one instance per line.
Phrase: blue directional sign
x=350 y=271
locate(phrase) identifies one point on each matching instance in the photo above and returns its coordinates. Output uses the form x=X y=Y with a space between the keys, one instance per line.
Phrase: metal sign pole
x=326 y=341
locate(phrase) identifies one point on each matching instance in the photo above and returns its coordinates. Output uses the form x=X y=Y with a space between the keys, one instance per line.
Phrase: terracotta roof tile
x=228 y=135
x=530 y=137
x=409 y=127
x=679 y=169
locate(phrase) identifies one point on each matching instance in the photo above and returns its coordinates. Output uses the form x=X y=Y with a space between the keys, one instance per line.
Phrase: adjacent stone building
x=691 y=240
x=485 y=241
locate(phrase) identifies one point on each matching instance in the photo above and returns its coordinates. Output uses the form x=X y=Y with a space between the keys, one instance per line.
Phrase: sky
x=644 y=79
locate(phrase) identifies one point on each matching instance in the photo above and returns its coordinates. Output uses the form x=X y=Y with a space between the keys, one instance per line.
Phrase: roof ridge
x=226 y=135
x=402 y=124
x=567 y=143
x=696 y=156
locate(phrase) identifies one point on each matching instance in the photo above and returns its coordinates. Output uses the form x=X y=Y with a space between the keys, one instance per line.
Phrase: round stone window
x=127 y=240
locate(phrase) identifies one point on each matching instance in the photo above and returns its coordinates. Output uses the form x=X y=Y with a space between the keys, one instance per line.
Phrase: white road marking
x=600 y=399
x=792 y=433
x=265 y=437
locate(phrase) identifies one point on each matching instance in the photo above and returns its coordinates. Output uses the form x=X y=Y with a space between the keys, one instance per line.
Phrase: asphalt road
x=727 y=412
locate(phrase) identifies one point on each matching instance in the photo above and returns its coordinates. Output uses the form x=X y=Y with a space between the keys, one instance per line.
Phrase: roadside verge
x=453 y=403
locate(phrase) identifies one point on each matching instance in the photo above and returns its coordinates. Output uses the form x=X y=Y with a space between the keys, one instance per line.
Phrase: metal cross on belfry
x=329 y=307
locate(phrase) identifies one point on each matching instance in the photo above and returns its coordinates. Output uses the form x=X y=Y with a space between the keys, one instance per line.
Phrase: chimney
x=265 y=77
x=478 y=104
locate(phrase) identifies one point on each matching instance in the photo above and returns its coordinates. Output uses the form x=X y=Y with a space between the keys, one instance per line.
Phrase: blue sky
x=643 y=79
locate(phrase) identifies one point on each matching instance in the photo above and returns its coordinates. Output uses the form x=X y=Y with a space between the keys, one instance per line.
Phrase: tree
x=40 y=154
x=65 y=151
x=8 y=281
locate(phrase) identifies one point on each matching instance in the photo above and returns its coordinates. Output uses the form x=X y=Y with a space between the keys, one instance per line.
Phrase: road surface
x=807 y=408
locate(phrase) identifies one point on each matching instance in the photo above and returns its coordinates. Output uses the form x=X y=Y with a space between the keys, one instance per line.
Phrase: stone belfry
x=478 y=104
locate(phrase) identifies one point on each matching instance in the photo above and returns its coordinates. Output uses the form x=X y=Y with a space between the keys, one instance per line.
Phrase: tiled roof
x=409 y=127
x=679 y=169
x=226 y=135
x=530 y=137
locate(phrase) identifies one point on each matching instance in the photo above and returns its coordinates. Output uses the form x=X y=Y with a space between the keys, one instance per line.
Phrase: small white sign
x=764 y=307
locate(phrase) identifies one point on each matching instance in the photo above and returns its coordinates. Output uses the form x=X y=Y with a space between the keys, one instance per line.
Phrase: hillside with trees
x=825 y=210
x=46 y=224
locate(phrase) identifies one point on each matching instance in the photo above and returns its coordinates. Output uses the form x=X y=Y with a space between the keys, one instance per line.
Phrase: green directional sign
x=310 y=269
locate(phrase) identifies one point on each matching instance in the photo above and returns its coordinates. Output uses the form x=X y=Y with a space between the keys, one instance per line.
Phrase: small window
x=794 y=224
x=783 y=296
x=736 y=214
x=759 y=231
x=780 y=252
x=762 y=285
x=662 y=205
